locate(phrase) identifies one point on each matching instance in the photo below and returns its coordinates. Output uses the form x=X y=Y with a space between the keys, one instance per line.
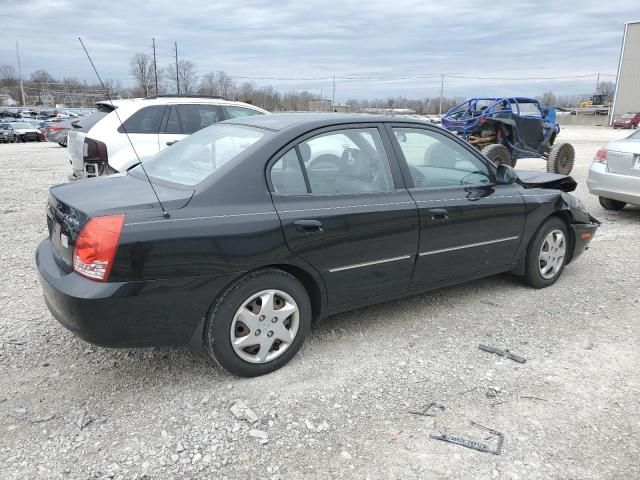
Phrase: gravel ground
x=341 y=408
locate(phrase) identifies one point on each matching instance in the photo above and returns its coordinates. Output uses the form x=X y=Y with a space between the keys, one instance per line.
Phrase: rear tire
x=547 y=254
x=561 y=159
x=499 y=154
x=611 y=204
x=226 y=328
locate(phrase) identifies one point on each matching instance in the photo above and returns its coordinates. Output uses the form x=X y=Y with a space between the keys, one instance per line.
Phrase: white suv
x=98 y=144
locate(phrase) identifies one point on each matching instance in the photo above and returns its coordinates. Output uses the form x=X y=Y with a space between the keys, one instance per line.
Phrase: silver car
x=615 y=173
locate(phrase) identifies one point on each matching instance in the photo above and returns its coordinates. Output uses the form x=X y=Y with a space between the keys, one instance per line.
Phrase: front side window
x=287 y=176
x=145 y=120
x=347 y=161
x=437 y=161
x=195 y=158
x=196 y=117
x=233 y=111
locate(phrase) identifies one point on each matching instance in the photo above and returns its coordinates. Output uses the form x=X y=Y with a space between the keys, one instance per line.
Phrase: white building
x=627 y=94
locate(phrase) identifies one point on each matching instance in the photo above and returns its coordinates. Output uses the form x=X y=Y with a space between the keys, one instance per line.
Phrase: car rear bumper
x=624 y=188
x=126 y=314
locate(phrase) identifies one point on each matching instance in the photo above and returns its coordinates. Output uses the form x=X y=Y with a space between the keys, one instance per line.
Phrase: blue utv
x=506 y=129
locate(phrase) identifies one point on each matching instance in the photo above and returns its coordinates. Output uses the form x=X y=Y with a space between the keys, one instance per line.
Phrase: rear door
x=143 y=128
x=181 y=120
x=468 y=224
x=344 y=209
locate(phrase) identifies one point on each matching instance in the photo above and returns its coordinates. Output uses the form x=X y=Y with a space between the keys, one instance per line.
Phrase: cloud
x=322 y=38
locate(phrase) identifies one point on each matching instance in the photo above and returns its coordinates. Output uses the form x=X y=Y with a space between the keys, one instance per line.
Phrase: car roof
x=284 y=121
x=163 y=100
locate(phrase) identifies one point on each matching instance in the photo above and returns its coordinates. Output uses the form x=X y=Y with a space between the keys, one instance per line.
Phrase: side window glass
x=437 y=161
x=173 y=122
x=286 y=175
x=233 y=111
x=196 y=117
x=347 y=161
x=145 y=120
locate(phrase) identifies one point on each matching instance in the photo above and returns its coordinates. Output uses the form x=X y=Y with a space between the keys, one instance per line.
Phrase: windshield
x=21 y=125
x=196 y=157
x=628 y=115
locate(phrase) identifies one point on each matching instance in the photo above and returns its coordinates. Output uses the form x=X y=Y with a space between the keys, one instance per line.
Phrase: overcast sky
x=321 y=38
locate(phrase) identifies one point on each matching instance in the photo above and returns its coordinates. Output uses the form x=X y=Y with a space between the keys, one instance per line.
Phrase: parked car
x=56 y=132
x=628 y=120
x=99 y=146
x=615 y=173
x=506 y=129
x=7 y=135
x=22 y=131
x=270 y=222
x=38 y=125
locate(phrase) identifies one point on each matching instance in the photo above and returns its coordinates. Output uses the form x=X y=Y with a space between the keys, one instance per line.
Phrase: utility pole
x=598 y=82
x=333 y=95
x=155 y=66
x=20 y=75
x=177 y=75
x=441 y=93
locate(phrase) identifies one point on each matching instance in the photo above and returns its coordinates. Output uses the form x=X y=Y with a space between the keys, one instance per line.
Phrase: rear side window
x=233 y=111
x=287 y=176
x=197 y=117
x=145 y=120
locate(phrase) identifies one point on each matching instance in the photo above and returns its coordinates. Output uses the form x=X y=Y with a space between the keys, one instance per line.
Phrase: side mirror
x=505 y=175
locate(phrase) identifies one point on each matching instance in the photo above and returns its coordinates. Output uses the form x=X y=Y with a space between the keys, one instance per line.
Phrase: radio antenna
x=165 y=214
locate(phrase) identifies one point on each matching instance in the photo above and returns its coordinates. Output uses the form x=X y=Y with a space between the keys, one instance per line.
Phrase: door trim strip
x=469 y=245
x=368 y=264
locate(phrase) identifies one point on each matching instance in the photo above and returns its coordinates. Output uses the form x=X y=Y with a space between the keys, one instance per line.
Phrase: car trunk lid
x=71 y=205
x=624 y=157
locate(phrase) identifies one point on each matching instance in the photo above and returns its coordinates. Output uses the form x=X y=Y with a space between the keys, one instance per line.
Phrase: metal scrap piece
x=472 y=444
x=430 y=410
x=502 y=353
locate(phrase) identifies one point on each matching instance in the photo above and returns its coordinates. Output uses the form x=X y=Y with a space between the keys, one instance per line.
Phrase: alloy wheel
x=552 y=253
x=264 y=326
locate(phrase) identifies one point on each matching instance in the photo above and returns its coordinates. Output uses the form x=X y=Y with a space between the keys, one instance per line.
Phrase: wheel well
x=309 y=284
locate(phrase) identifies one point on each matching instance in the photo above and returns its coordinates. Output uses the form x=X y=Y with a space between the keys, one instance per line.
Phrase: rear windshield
x=193 y=159
x=86 y=123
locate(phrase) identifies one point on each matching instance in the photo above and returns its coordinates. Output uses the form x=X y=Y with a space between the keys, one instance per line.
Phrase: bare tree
x=548 y=98
x=607 y=88
x=8 y=76
x=187 y=77
x=141 y=69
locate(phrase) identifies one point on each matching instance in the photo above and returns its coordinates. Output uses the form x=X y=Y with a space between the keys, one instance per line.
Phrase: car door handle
x=172 y=142
x=439 y=214
x=308 y=227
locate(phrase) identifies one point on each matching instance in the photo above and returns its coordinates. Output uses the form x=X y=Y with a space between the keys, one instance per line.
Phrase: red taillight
x=95 y=151
x=601 y=156
x=96 y=246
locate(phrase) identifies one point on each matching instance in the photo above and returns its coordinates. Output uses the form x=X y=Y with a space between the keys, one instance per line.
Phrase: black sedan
x=263 y=225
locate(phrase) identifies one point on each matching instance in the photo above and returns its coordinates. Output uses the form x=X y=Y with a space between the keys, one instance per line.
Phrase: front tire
x=247 y=333
x=547 y=254
x=561 y=159
x=611 y=204
x=499 y=154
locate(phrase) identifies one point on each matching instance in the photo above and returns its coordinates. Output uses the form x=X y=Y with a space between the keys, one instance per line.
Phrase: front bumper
x=624 y=188
x=126 y=314
x=583 y=233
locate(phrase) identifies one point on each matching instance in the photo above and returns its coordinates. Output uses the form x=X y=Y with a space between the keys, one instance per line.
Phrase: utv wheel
x=547 y=253
x=498 y=153
x=561 y=159
x=611 y=204
x=258 y=323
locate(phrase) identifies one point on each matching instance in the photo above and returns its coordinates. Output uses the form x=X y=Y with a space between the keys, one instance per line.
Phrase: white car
x=98 y=144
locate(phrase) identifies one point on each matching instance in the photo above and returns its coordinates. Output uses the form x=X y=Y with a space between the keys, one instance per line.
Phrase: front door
x=468 y=224
x=344 y=209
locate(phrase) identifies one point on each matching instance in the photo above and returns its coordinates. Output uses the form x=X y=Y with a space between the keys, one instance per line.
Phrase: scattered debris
x=309 y=425
x=472 y=444
x=534 y=398
x=242 y=412
x=82 y=418
x=396 y=434
x=492 y=392
x=18 y=412
x=43 y=418
x=259 y=434
x=502 y=353
x=17 y=341
x=493 y=304
x=430 y=410
x=324 y=426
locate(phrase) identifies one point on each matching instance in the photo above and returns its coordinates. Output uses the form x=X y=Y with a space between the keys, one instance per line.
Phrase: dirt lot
x=341 y=408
